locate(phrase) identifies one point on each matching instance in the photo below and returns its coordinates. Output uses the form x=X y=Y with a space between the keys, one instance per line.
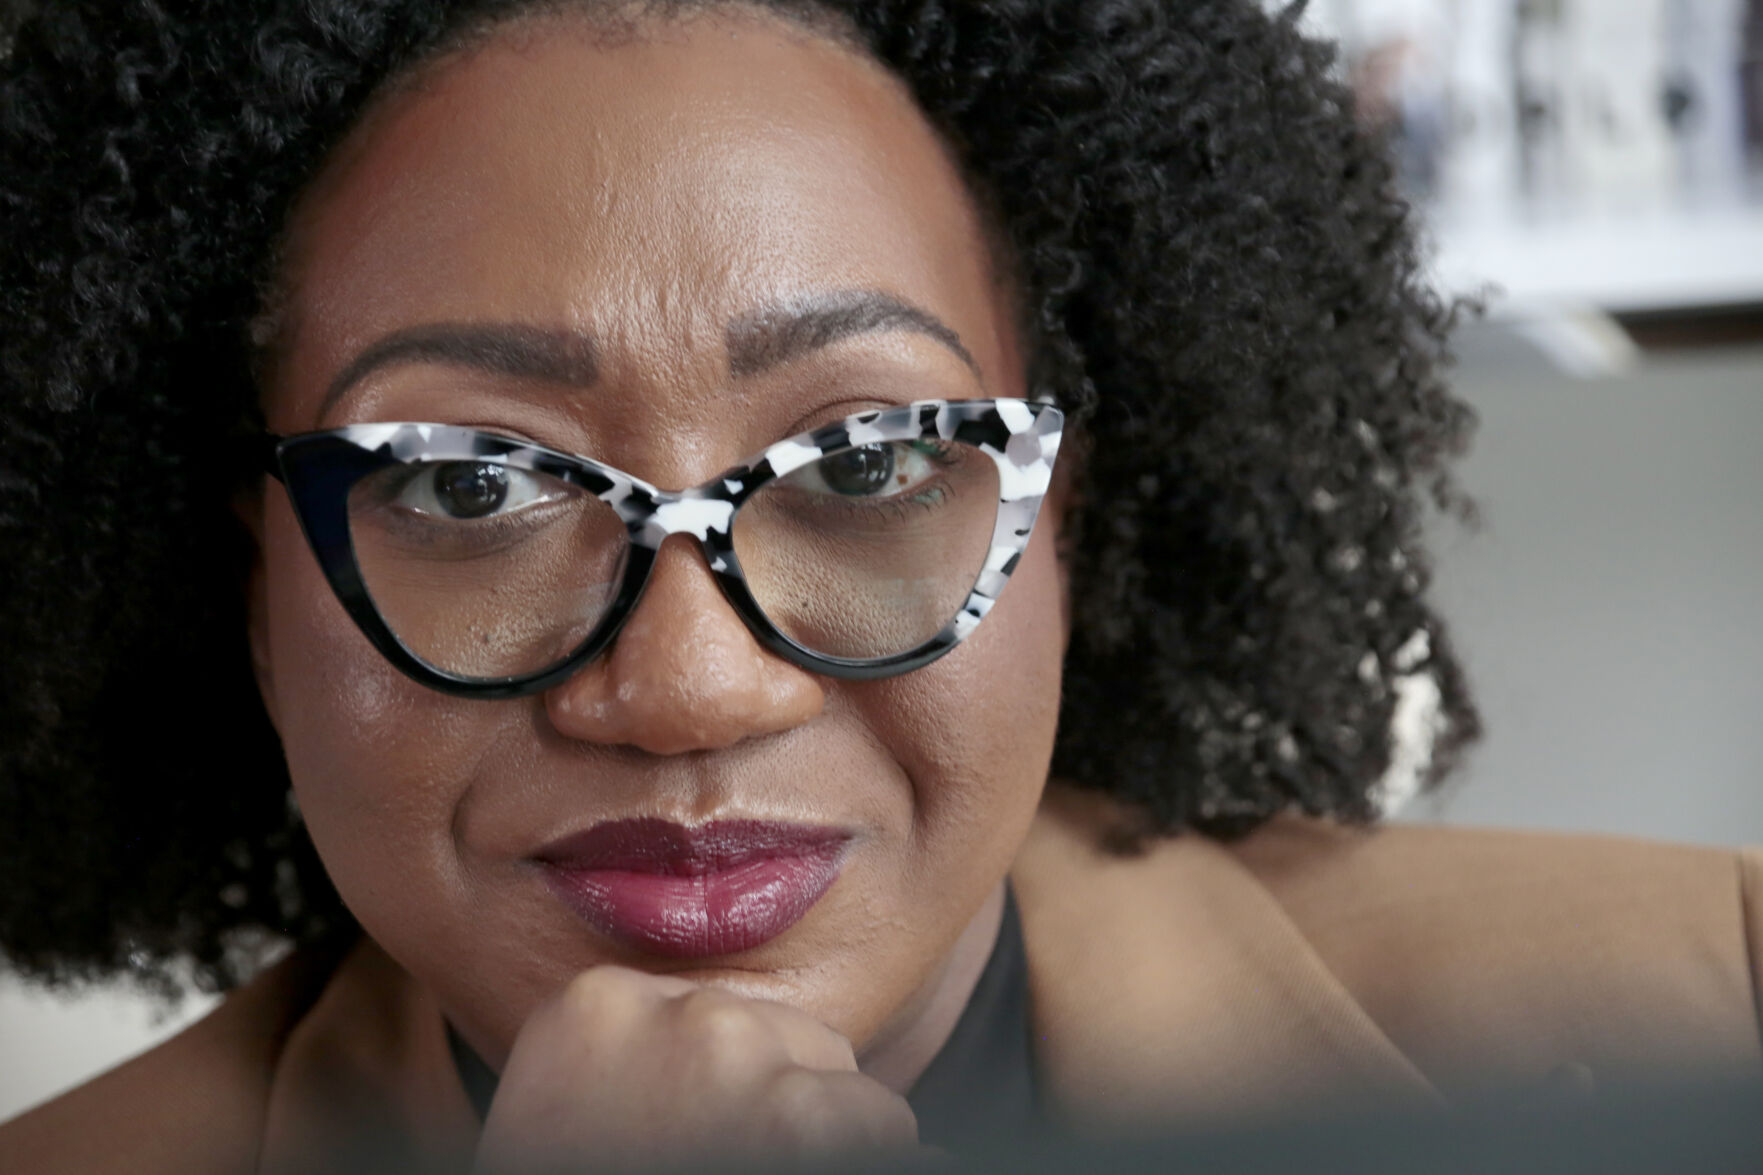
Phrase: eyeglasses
x=489 y=567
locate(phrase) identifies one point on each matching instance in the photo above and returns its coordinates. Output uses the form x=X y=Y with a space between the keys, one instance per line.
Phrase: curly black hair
x=1221 y=286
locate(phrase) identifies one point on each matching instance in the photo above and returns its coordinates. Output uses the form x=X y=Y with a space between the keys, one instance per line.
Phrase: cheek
x=379 y=763
x=974 y=731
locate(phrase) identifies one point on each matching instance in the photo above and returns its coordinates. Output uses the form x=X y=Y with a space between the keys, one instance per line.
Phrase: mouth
x=718 y=889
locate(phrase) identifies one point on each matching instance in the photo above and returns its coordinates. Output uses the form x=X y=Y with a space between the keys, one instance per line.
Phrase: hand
x=625 y=1069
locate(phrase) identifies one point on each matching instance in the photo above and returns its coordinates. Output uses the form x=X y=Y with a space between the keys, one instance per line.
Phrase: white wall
x=49 y=1043
x=1612 y=611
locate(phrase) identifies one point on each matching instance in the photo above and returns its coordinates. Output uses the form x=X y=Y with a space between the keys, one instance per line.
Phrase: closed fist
x=623 y=1068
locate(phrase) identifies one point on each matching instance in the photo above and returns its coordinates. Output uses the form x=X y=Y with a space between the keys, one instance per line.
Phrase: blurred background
x=1593 y=170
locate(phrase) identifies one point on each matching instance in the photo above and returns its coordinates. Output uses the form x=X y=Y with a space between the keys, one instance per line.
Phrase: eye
x=873 y=471
x=468 y=490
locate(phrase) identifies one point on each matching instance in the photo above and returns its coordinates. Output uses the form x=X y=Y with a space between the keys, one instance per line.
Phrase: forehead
x=649 y=192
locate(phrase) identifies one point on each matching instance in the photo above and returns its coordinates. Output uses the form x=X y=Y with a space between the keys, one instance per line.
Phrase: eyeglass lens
x=869 y=553
x=484 y=570
x=487 y=571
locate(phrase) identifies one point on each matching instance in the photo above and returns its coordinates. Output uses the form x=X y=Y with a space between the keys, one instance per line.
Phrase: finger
x=613 y=993
x=601 y=1006
x=814 y=1112
x=780 y=1033
x=809 y=1042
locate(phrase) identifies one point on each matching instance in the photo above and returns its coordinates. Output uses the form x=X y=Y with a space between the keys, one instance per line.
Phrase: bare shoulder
x=193 y=1105
x=1500 y=944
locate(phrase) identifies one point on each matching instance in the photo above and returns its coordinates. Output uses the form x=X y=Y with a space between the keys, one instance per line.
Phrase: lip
x=717 y=889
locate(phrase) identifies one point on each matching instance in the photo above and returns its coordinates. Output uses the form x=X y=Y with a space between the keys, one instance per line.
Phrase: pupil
x=860 y=471
x=470 y=490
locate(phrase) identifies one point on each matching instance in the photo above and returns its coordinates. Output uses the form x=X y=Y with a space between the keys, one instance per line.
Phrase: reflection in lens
x=853 y=567
x=484 y=571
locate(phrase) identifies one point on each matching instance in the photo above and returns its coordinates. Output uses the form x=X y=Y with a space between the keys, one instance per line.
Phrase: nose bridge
x=685 y=673
x=676 y=593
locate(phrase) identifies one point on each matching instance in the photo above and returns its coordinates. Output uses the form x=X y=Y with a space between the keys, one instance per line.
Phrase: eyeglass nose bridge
x=710 y=520
x=705 y=514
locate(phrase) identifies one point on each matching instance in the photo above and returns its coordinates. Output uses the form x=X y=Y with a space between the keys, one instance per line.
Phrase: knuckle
x=831 y=1049
x=806 y=1040
x=717 y=1021
x=826 y=1111
x=895 y=1123
x=799 y=1101
x=600 y=991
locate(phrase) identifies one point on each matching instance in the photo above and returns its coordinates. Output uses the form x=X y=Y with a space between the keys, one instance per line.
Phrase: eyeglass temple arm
x=266 y=444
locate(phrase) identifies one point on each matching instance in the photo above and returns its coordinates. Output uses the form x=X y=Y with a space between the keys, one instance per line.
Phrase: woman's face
x=643 y=202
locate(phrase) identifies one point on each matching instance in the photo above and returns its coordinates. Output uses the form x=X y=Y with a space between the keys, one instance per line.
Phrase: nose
x=685 y=673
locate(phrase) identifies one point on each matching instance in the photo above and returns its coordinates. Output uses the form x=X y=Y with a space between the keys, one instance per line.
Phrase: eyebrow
x=763 y=339
x=527 y=352
x=757 y=341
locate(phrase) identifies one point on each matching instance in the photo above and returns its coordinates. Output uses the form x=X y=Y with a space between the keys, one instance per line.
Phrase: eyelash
x=932 y=494
x=422 y=476
x=435 y=530
x=939 y=454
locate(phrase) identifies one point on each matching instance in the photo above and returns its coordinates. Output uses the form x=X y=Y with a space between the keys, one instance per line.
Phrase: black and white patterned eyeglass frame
x=319 y=470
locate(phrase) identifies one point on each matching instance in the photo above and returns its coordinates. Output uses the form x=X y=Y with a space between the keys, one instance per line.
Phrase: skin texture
x=649 y=192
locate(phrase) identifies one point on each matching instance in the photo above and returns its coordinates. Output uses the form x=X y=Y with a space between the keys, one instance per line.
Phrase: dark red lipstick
x=718 y=889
